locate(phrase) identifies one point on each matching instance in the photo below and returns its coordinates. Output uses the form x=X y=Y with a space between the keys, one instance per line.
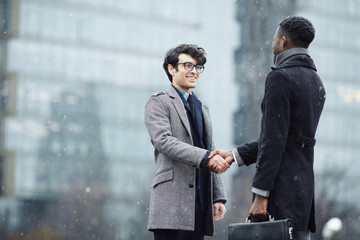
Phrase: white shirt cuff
x=260 y=192
x=237 y=158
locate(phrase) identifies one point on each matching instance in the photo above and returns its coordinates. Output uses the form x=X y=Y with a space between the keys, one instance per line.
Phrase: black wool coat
x=284 y=153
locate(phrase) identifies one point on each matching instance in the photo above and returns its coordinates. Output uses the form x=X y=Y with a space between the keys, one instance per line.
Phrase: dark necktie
x=191 y=104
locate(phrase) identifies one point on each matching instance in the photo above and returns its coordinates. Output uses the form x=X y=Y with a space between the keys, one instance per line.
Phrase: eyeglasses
x=188 y=66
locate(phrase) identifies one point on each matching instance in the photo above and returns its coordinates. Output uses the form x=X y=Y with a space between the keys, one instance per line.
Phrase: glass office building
x=75 y=157
x=337 y=61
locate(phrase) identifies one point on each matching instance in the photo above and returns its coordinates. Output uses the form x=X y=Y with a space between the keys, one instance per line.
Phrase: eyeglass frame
x=199 y=68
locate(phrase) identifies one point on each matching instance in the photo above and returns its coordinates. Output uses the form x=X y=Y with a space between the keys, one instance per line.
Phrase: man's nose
x=194 y=70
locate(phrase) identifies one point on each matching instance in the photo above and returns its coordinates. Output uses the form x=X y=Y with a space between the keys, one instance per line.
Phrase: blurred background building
x=76 y=161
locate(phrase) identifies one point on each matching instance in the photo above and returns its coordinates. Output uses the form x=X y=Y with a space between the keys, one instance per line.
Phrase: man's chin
x=192 y=85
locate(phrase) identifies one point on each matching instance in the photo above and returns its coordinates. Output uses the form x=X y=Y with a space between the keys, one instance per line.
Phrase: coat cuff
x=205 y=161
x=221 y=200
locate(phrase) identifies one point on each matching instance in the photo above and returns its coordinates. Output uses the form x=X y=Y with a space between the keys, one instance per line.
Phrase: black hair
x=298 y=29
x=172 y=56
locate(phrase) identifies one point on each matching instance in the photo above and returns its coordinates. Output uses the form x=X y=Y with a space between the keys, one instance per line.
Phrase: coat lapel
x=179 y=106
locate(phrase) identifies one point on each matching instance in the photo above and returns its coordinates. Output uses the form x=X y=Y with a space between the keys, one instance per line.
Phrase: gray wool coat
x=172 y=200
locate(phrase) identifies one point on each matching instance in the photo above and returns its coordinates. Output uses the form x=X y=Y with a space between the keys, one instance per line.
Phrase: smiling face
x=181 y=78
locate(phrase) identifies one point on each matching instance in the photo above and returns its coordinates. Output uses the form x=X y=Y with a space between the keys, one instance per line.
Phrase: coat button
x=191 y=185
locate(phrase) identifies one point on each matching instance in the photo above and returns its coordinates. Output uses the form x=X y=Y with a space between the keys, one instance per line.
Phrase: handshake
x=220 y=161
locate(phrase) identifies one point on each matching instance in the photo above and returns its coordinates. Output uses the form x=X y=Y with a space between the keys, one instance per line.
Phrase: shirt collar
x=184 y=94
x=288 y=53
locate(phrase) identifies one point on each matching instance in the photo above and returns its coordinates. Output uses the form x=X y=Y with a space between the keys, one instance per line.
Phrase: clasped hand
x=220 y=161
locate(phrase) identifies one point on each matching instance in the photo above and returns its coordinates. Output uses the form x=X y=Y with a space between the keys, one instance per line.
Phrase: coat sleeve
x=248 y=152
x=158 y=123
x=275 y=124
x=218 y=188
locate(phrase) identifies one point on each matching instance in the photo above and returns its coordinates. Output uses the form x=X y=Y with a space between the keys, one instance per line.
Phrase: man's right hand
x=217 y=164
x=227 y=155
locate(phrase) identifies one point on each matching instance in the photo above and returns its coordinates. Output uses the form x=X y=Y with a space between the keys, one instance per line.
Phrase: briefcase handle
x=248 y=219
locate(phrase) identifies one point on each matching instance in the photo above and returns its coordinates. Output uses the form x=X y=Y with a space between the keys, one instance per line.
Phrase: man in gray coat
x=186 y=197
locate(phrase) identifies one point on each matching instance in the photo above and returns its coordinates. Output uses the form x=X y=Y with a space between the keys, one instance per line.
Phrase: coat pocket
x=163 y=176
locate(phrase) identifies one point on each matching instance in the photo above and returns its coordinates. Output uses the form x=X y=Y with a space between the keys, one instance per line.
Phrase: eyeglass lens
x=189 y=67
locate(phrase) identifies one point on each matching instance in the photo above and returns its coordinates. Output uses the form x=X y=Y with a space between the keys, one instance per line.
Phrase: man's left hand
x=259 y=209
x=219 y=211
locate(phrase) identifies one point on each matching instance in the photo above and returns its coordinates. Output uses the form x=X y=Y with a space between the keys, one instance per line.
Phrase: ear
x=284 y=42
x=171 y=69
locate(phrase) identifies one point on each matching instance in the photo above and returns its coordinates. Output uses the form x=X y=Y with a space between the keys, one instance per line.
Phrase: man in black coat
x=283 y=184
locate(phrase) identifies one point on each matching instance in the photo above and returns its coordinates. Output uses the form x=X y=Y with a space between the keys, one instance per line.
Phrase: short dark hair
x=172 y=56
x=299 y=30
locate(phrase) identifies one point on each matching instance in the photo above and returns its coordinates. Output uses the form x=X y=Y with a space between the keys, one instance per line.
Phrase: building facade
x=75 y=157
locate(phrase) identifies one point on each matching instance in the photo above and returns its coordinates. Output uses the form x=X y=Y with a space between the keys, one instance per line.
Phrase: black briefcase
x=269 y=230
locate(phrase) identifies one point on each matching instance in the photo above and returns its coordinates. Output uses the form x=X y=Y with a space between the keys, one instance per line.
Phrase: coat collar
x=294 y=57
x=280 y=58
x=172 y=93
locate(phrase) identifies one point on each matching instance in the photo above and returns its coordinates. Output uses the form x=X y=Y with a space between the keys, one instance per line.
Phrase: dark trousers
x=301 y=235
x=198 y=234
